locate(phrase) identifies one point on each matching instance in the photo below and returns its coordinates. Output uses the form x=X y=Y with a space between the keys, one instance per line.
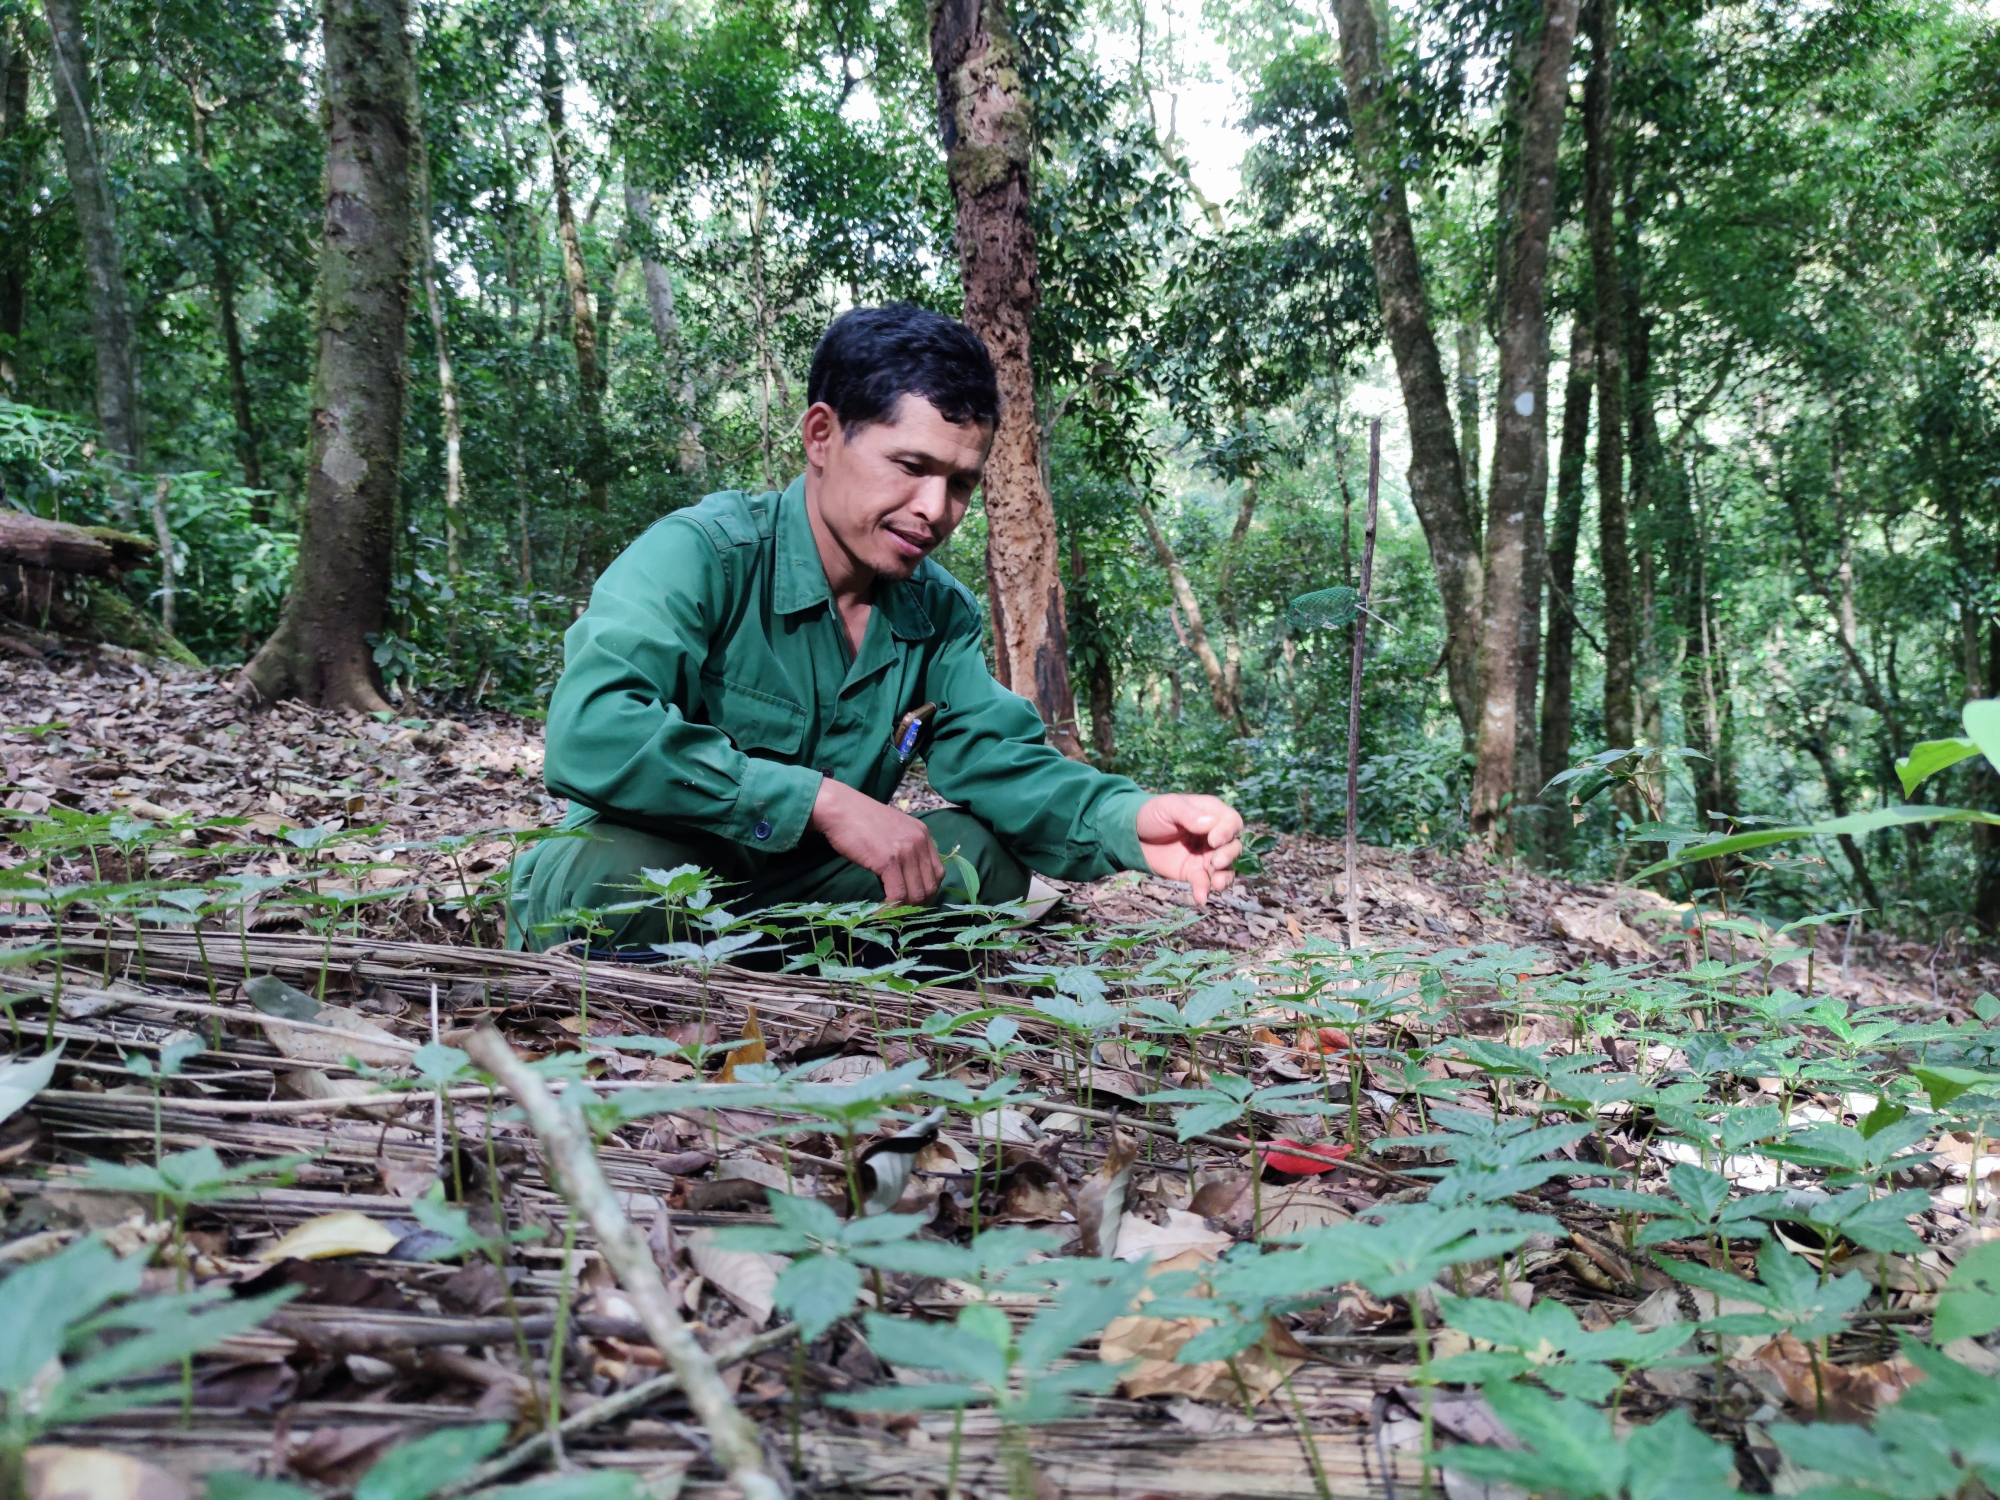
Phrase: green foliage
x=56 y=1366
x=1569 y=1449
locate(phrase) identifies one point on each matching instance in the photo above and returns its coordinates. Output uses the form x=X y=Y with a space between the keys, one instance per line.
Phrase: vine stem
x=566 y=1138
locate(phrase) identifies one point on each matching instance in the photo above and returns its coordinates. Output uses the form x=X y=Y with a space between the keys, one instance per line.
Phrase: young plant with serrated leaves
x=1793 y=1296
x=57 y=1366
x=1942 y=1438
x=986 y=1361
x=1002 y=1093
x=1492 y=1157
x=1358 y=1011
x=456 y=1237
x=1231 y=1100
x=1849 y=1156
x=1569 y=1449
x=1547 y=1342
x=1076 y=998
x=174 y=1054
x=1401 y=1249
x=1241 y=1295
x=1700 y=1208
x=828 y=1253
x=190 y=1179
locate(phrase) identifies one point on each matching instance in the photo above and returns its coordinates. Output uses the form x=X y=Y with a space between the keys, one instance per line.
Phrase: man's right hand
x=894 y=845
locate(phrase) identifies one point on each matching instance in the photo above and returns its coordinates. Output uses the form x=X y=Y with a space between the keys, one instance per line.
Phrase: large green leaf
x=1855 y=825
x=1928 y=757
x=1969 y=1306
x=1982 y=726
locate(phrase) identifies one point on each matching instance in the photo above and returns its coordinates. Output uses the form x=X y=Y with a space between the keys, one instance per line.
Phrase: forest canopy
x=391 y=324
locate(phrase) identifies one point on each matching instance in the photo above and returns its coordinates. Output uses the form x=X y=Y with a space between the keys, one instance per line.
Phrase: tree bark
x=454 y=431
x=1097 y=667
x=340 y=590
x=582 y=317
x=1613 y=553
x=987 y=127
x=661 y=312
x=1520 y=444
x=223 y=281
x=1557 y=702
x=1225 y=590
x=1196 y=636
x=1437 y=488
x=97 y=226
x=13 y=195
x=1468 y=415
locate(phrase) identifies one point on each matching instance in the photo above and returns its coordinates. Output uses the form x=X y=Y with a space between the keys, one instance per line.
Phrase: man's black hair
x=873 y=356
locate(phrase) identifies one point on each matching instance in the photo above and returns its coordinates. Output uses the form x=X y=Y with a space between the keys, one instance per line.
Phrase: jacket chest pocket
x=754 y=719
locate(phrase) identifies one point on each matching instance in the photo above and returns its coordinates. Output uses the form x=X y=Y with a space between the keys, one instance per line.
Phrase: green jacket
x=709 y=686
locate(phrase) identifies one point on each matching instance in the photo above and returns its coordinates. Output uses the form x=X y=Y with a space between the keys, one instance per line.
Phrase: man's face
x=894 y=490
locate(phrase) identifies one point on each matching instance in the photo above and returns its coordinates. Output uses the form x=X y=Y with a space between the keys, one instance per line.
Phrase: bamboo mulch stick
x=566 y=1138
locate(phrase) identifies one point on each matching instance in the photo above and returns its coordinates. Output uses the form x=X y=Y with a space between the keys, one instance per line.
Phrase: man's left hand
x=1190 y=838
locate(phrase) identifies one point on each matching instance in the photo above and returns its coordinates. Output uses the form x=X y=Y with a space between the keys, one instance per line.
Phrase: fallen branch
x=566 y=1139
x=610 y=1409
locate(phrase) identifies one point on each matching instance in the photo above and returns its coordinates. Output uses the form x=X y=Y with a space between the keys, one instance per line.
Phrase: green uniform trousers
x=601 y=869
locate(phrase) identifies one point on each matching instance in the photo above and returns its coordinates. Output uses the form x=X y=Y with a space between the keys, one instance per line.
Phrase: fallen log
x=59 y=547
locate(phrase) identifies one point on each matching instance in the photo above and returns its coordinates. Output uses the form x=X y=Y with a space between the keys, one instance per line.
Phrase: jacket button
x=762 y=830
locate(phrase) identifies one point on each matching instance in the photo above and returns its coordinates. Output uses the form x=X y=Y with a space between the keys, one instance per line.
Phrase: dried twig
x=610 y=1409
x=567 y=1140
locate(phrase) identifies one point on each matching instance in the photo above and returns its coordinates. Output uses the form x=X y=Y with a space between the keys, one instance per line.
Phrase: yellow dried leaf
x=346 y=1233
x=752 y=1050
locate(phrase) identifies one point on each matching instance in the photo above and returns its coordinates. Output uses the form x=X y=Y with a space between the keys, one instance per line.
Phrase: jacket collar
x=799 y=580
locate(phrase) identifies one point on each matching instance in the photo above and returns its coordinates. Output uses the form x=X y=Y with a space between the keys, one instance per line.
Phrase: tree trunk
x=1225 y=590
x=1097 y=666
x=1468 y=415
x=1520 y=443
x=1557 y=701
x=1613 y=554
x=1437 y=489
x=13 y=196
x=340 y=591
x=454 y=432
x=987 y=127
x=660 y=311
x=1195 y=637
x=224 y=283
x=97 y=226
x=582 y=319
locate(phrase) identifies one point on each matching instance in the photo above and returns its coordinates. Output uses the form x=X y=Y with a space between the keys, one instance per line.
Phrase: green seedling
x=1569 y=1449
x=56 y=1366
x=173 y=1056
x=1700 y=1208
x=1547 y=1342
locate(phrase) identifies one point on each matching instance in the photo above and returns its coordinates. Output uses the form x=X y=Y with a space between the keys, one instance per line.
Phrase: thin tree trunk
x=582 y=319
x=97 y=225
x=1225 y=589
x=1520 y=444
x=340 y=591
x=1098 y=679
x=1836 y=795
x=1646 y=516
x=163 y=536
x=454 y=432
x=224 y=282
x=1468 y=415
x=1557 y=699
x=13 y=196
x=1437 y=489
x=986 y=125
x=1195 y=636
x=1613 y=553
x=661 y=312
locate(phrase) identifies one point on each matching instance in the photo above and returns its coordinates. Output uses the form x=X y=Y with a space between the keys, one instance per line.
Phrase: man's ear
x=820 y=432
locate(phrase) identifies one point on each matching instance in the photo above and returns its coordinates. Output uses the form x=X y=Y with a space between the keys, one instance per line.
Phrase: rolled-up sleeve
x=989 y=751
x=624 y=736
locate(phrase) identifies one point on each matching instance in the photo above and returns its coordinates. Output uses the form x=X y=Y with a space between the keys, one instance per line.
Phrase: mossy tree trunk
x=340 y=592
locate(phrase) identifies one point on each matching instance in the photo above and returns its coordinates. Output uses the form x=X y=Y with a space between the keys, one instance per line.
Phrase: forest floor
x=382 y=928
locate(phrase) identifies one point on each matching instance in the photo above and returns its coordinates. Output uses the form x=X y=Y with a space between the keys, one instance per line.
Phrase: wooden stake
x=1354 y=683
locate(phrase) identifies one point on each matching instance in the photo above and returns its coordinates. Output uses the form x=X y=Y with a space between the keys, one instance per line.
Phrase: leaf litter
x=1736 y=1197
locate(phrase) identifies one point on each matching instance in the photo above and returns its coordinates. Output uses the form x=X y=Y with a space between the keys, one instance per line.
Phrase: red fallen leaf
x=1327 y=1039
x=1302 y=1158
